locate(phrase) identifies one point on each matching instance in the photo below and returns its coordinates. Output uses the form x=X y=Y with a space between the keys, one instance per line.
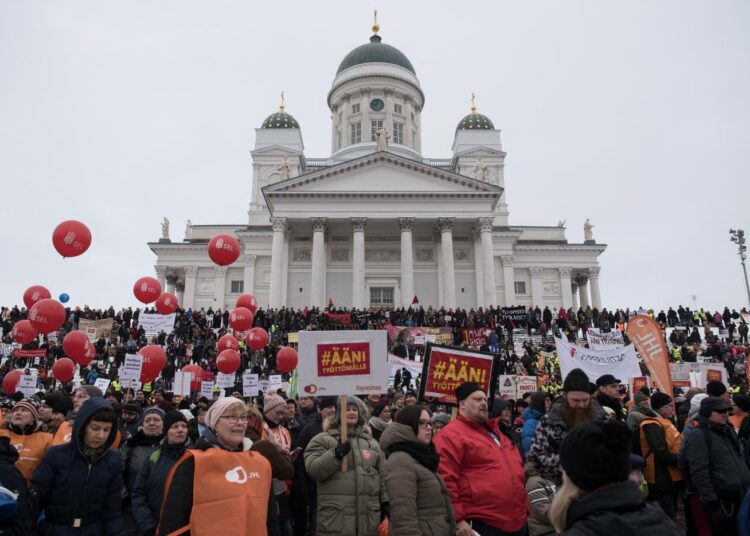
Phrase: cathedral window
x=355 y=108
x=238 y=287
x=397 y=108
x=398 y=133
x=356 y=132
x=377 y=124
x=381 y=296
x=520 y=287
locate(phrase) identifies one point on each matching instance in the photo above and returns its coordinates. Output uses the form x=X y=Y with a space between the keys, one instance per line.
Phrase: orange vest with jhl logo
x=232 y=497
x=30 y=449
x=64 y=435
x=672 y=437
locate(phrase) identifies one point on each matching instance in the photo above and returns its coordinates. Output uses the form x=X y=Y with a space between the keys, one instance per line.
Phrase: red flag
x=330 y=301
x=415 y=300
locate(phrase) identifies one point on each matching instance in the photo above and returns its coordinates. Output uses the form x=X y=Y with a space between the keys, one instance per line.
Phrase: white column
x=189 y=296
x=566 y=287
x=220 y=285
x=277 y=260
x=537 y=288
x=359 y=300
x=408 y=139
x=583 y=290
x=248 y=274
x=364 y=108
x=509 y=280
x=574 y=291
x=596 y=297
x=476 y=237
x=449 y=275
x=318 y=272
x=346 y=128
x=407 y=261
x=488 y=262
x=389 y=112
x=161 y=276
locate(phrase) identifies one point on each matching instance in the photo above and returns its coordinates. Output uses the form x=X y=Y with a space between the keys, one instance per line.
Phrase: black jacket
x=22 y=522
x=618 y=510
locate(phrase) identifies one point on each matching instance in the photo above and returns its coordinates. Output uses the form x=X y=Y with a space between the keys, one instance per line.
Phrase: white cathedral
x=376 y=224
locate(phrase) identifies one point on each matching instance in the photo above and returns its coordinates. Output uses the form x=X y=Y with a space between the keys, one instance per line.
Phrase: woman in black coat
x=78 y=484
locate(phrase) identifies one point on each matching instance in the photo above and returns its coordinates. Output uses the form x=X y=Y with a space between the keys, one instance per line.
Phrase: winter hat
x=695 y=405
x=409 y=416
x=498 y=406
x=92 y=390
x=29 y=405
x=377 y=410
x=597 y=453
x=132 y=407
x=327 y=402
x=149 y=411
x=536 y=401
x=742 y=402
x=576 y=380
x=711 y=404
x=220 y=407
x=465 y=390
x=272 y=401
x=172 y=417
x=60 y=402
x=659 y=400
x=361 y=409
x=441 y=419
x=715 y=388
x=640 y=397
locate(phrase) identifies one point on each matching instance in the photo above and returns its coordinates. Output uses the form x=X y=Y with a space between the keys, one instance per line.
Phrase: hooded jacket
x=419 y=499
x=22 y=522
x=531 y=419
x=71 y=485
x=134 y=454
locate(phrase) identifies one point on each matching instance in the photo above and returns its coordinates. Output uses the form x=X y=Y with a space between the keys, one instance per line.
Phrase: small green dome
x=280 y=119
x=475 y=121
x=375 y=52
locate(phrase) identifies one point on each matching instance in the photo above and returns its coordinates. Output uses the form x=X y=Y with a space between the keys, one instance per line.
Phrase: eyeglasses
x=235 y=418
x=81 y=395
x=425 y=424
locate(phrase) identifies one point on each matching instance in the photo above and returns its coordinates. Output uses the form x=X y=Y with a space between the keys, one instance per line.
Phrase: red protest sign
x=29 y=353
x=446 y=368
x=345 y=358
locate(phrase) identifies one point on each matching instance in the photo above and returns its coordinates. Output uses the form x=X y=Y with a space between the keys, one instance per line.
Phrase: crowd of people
x=579 y=456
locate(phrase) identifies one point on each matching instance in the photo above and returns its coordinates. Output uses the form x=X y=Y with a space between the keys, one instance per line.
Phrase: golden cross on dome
x=473 y=103
x=281 y=106
x=375 y=25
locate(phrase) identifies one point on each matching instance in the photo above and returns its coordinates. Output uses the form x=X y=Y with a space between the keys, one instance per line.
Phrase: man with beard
x=575 y=406
x=608 y=394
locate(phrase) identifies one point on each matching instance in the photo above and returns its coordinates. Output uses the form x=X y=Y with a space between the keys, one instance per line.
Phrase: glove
x=342 y=450
x=385 y=511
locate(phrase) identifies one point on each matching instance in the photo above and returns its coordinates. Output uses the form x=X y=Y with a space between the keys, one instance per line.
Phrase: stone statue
x=284 y=169
x=481 y=170
x=587 y=227
x=561 y=223
x=165 y=228
x=383 y=137
x=188 y=230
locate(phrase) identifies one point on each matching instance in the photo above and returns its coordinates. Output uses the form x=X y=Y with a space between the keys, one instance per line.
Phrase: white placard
x=526 y=384
x=181 y=383
x=249 y=384
x=263 y=386
x=207 y=389
x=274 y=381
x=225 y=381
x=599 y=340
x=506 y=385
x=153 y=324
x=343 y=362
x=131 y=368
x=102 y=384
x=622 y=363
x=27 y=385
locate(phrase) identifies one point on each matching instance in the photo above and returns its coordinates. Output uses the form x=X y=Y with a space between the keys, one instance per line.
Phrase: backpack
x=8 y=504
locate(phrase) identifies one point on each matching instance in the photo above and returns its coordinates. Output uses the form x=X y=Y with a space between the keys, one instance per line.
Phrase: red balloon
x=71 y=238
x=35 y=293
x=147 y=289
x=224 y=249
x=286 y=359
x=154 y=359
x=166 y=303
x=47 y=315
x=241 y=319
x=75 y=345
x=248 y=302
x=64 y=369
x=197 y=376
x=228 y=342
x=208 y=376
x=228 y=361
x=23 y=332
x=10 y=381
x=88 y=356
x=257 y=338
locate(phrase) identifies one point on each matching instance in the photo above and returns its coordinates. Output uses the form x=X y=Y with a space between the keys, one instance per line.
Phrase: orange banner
x=647 y=337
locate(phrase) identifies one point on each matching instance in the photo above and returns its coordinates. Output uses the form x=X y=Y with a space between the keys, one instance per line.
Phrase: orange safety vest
x=65 y=433
x=233 y=494
x=673 y=439
x=30 y=449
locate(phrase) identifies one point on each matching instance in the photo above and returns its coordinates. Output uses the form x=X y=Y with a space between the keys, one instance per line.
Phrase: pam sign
x=343 y=362
x=446 y=368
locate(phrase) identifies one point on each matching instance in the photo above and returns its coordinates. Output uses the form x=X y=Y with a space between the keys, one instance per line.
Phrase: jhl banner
x=445 y=368
x=647 y=337
x=621 y=362
x=343 y=362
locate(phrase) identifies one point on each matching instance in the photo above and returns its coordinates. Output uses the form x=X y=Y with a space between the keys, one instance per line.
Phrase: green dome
x=375 y=52
x=280 y=119
x=475 y=121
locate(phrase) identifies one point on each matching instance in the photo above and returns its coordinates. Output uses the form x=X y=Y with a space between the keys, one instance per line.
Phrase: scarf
x=425 y=455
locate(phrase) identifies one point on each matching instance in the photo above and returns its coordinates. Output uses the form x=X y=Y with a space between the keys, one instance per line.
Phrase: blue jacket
x=530 y=418
x=70 y=485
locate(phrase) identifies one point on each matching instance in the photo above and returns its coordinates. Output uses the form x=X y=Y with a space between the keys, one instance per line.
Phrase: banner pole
x=343 y=425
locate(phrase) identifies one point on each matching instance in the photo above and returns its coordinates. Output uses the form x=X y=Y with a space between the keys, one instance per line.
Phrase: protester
x=597 y=496
x=59 y=405
x=351 y=502
x=541 y=490
x=419 y=500
x=540 y=403
x=222 y=455
x=138 y=448
x=83 y=393
x=640 y=410
x=78 y=484
x=482 y=469
x=608 y=395
x=24 y=432
x=14 y=494
x=148 y=491
x=381 y=417
x=275 y=414
x=129 y=419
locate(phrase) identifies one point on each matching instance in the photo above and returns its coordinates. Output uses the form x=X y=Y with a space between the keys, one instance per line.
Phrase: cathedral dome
x=376 y=52
x=475 y=121
x=280 y=119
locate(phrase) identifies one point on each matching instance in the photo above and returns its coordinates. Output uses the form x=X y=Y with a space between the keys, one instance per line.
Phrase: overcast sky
x=635 y=115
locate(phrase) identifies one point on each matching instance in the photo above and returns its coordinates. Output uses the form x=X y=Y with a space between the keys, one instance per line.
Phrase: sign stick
x=454 y=413
x=342 y=418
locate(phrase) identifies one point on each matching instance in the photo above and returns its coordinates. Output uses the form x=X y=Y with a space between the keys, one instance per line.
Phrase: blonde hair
x=566 y=495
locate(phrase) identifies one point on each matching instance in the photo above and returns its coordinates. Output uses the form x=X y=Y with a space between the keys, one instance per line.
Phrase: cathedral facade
x=376 y=224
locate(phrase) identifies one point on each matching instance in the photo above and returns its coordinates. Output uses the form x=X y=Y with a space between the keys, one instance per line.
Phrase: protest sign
x=29 y=353
x=599 y=340
x=516 y=313
x=153 y=324
x=410 y=335
x=620 y=362
x=7 y=348
x=637 y=383
x=27 y=384
x=292 y=338
x=397 y=363
x=274 y=381
x=131 y=368
x=506 y=386
x=181 y=383
x=475 y=336
x=263 y=385
x=525 y=384
x=343 y=362
x=225 y=381
x=648 y=339
x=445 y=368
x=249 y=384
x=96 y=329
x=102 y=384
x=207 y=389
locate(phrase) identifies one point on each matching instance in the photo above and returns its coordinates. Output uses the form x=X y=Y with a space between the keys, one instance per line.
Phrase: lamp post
x=738 y=237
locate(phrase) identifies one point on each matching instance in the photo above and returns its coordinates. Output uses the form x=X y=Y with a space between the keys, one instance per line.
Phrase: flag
x=415 y=301
x=330 y=302
x=620 y=362
x=647 y=337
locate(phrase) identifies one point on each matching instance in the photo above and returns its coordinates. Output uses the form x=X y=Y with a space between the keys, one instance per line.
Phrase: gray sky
x=632 y=114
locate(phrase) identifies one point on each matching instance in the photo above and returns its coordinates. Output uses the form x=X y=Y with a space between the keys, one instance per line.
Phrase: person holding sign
x=482 y=470
x=351 y=502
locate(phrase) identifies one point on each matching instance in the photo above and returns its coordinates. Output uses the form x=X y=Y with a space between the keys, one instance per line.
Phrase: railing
x=316 y=162
x=438 y=162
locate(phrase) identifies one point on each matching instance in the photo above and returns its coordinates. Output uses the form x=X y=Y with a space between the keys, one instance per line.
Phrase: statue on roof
x=188 y=230
x=482 y=170
x=165 y=228
x=383 y=137
x=561 y=223
x=284 y=169
x=587 y=230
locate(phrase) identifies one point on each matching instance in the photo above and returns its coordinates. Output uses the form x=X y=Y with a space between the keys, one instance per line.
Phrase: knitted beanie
x=172 y=417
x=92 y=390
x=597 y=453
x=695 y=405
x=659 y=400
x=576 y=380
x=715 y=388
x=30 y=406
x=220 y=407
x=272 y=401
x=149 y=411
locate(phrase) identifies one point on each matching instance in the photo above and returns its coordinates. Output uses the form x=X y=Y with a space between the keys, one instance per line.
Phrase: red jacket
x=485 y=482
